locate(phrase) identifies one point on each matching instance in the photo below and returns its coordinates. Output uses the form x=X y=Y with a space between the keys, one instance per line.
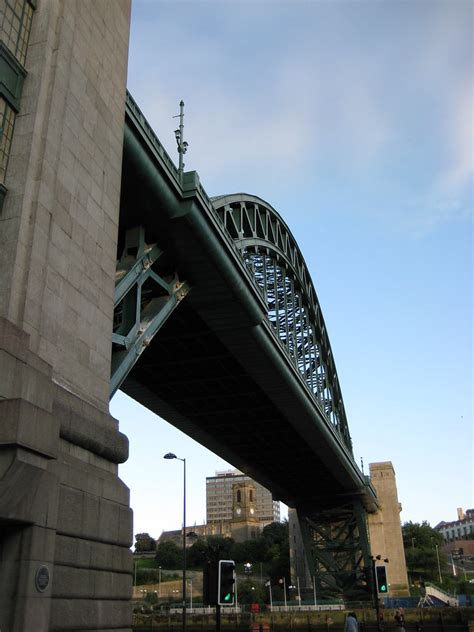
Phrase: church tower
x=244 y=523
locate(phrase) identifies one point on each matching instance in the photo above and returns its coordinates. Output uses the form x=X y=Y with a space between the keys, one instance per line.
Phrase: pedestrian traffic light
x=381 y=579
x=226 y=583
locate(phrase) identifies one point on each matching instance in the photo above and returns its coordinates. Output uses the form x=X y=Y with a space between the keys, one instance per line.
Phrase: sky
x=353 y=119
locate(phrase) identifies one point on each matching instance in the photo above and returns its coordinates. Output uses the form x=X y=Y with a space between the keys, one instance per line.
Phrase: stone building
x=219 y=498
x=243 y=523
x=458 y=529
x=65 y=521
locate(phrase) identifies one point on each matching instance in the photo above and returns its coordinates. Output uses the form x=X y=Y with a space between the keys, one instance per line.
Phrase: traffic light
x=209 y=583
x=226 y=583
x=381 y=579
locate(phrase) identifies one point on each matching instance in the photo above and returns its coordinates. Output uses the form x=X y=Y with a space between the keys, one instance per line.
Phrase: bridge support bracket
x=147 y=291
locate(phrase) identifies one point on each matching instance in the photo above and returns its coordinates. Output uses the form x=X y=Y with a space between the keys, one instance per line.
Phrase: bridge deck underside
x=215 y=369
x=191 y=379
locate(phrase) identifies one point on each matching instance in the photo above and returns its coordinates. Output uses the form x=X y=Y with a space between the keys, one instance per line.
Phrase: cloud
x=378 y=99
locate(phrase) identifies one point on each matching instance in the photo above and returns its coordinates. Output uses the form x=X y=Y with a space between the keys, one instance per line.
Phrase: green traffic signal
x=226 y=583
x=381 y=579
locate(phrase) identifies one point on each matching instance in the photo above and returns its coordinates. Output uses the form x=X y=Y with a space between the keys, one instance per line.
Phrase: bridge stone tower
x=385 y=529
x=65 y=522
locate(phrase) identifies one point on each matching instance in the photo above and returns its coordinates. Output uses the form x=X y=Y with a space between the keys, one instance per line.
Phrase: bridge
x=118 y=271
x=218 y=330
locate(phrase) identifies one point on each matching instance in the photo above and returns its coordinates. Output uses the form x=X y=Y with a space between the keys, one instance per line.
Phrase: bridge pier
x=336 y=548
x=65 y=521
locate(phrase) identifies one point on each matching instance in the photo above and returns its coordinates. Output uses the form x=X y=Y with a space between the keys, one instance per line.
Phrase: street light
x=170 y=455
x=437 y=557
x=439 y=565
x=182 y=144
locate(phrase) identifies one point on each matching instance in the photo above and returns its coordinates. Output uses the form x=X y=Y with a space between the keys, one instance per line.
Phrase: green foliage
x=421 y=536
x=213 y=548
x=270 y=549
x=276 y=534
x=420 y=541
x=249 y=551
x=252 y=592
x=146 y=563
x=144 y=542
x=151 y=598
x=169 y=555
x=146 y=576
x=197 y=554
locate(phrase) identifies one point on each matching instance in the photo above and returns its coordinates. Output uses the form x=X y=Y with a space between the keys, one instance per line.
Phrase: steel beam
x=337 y=550
x=146 y=293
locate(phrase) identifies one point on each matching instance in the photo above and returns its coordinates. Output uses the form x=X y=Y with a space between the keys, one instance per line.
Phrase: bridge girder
x=337 y=549
x=275 y=263
x=244 y=366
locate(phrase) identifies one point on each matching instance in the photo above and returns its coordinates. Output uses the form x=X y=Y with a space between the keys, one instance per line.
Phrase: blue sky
x=354 y=120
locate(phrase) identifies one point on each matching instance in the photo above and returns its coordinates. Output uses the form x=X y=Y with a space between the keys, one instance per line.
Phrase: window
x=15 y=26
x=7 y=120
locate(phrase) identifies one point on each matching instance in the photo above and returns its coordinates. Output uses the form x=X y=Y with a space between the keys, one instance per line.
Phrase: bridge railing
x=139 y=117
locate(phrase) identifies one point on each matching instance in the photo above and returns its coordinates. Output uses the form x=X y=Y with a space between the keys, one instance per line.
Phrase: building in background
x=458 y=529
x=236 y=507
x=219 y=499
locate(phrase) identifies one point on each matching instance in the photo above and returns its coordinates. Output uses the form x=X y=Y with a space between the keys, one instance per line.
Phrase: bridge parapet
x=139 y=118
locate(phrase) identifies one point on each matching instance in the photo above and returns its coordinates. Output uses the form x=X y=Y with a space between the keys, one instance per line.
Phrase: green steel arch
x=274 y=260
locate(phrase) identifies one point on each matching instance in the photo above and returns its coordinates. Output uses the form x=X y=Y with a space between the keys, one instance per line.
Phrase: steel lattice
x=275 y=262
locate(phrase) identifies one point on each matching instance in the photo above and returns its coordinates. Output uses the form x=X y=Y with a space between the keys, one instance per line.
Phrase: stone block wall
x=385 y=529
x=65 y=521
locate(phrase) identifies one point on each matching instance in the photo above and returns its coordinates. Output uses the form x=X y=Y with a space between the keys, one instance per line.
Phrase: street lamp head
x=170 y=455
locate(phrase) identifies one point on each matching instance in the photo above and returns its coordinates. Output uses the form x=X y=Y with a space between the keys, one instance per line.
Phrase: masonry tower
x=65 y=522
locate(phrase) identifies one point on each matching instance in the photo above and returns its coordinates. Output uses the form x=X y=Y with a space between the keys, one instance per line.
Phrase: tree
x=144 y=542
x=421 y=535
x=197 y=554
x=422 y=546
x=168 y=555
x=252 y=592
x=219 y=548
x=276 y=533
x=248 y=551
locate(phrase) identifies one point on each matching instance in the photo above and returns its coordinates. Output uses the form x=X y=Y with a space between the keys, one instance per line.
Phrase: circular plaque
x=42 y=578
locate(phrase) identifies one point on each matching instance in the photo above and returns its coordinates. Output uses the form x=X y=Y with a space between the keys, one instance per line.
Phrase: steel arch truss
x=337 y=548
x=147 y=290
x=276 y=264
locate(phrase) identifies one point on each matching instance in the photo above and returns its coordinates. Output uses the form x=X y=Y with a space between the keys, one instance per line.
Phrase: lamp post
x=439 y=565
x=182 y=144
x=170 y=455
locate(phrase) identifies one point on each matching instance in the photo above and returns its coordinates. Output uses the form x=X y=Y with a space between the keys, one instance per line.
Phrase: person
x=400 y=618
x=351 y=624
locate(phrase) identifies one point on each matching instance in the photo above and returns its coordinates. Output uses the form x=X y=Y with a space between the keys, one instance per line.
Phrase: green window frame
x=7 y=123
x=15 y=26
